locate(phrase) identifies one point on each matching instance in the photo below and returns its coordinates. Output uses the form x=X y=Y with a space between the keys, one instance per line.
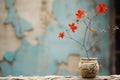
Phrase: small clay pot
x=89 y=68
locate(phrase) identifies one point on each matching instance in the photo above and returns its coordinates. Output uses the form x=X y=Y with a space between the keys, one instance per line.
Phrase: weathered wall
x=28 y=37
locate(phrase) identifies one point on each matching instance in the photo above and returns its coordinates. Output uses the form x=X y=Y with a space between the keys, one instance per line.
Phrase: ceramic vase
x=89 y=68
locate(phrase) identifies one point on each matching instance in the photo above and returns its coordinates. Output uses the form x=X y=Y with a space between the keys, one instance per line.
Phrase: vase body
x=89 y=68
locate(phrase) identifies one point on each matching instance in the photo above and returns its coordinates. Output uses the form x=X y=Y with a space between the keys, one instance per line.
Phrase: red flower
x=61 y=35
x=73 y=27
x=101 y=8
x=80 y=14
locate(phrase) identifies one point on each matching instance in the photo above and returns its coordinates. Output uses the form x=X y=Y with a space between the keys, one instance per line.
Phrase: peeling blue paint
x=42 y=59
x=67 y=8
x=9 y=56
x=26 y=59
x=13 y=18
x=5 y=69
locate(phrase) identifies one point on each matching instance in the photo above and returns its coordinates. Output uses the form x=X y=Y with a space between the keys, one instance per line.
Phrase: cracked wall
x=28 y=38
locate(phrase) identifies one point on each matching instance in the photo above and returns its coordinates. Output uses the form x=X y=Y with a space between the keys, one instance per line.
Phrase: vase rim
x=88 y=58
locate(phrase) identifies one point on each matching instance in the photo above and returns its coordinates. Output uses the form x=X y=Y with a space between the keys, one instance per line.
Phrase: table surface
x=53 y=77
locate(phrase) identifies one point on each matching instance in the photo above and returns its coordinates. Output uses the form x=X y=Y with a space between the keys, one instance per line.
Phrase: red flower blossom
x=80 y=13
x=61 y=35
x=101 y=7
x=73 y=27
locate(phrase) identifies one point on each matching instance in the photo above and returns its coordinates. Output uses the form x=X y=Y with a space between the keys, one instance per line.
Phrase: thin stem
x=86 y=51
x=74 y=40
x=88 y=37
x=84 y=40
x=89 y=25
x=89 y=30
x=70 y=37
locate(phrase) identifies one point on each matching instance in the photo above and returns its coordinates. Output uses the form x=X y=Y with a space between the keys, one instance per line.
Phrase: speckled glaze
x=89 y=68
